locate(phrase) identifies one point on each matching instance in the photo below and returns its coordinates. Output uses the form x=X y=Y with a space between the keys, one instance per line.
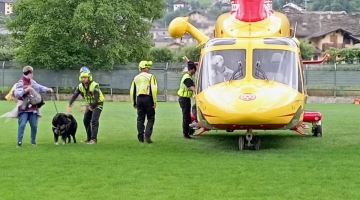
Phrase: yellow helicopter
x=250 y=75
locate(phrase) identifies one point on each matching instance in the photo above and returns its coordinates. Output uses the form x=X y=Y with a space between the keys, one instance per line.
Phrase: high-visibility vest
x=183 y=90
x=88 y=93
x=144 y=84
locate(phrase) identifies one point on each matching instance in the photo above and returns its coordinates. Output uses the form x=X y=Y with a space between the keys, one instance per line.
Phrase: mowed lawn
x=289 y=166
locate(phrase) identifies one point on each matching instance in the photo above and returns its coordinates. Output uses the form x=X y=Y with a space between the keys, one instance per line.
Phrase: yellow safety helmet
x=85 y=72
x=145 y=64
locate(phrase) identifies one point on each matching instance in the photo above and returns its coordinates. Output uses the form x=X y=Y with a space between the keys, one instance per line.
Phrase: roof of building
x=324 y=32
x=201 y=12
x=294 y=6
x=327 y=31
x=8 y=1
x=180 y=2
x=309 y=23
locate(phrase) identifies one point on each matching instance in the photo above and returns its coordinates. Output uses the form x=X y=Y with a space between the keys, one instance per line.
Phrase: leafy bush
x=165 y=54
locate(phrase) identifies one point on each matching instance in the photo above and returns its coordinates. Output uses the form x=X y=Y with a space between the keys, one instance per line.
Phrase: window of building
x=346 y=40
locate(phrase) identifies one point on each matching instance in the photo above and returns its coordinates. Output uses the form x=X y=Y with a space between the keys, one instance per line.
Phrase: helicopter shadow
x=272 y=141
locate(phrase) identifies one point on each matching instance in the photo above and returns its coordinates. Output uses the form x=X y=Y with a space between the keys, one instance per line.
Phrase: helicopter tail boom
x=312 y=62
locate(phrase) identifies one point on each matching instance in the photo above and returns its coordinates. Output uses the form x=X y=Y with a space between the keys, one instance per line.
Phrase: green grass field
x=288 y=166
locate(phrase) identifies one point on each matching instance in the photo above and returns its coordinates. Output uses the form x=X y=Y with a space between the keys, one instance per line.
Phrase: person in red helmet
x=194 y=124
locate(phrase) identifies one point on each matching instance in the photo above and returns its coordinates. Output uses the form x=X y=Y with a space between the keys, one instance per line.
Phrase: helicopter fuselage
x=252 y=83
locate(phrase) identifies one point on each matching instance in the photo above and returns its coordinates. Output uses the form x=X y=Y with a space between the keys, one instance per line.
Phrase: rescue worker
x=90 y=91
x=143 y=95
x=185 y=92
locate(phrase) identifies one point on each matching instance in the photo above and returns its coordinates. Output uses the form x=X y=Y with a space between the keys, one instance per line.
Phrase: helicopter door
x=302 y=78
x=301 y=98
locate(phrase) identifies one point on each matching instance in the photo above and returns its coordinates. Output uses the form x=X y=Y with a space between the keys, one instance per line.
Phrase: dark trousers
x=185 y=104
x=91 y=123
x=144 y=105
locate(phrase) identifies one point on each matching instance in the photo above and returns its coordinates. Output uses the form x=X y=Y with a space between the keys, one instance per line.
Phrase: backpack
x=33 y=99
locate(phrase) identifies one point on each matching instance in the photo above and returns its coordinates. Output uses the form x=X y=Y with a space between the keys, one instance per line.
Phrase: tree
x=336 y=5
x=195 y=5
x=161 y=54
x=191 y=51
x=348 y=55
x=170 y=4
x=65 y=34
x=276 y=5
x=168 y=17
x=334 y=54
x=307 y=50
x=215 y=11
x=6 y=53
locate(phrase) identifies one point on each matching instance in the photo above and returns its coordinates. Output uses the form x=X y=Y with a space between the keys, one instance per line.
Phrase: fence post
x=111 y=81
x=165 y=80
x=335 y=87
x=3 y=77
x=306 y=80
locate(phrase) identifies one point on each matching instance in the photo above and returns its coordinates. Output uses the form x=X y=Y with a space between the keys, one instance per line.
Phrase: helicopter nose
x=250 y=103
x=263 y=99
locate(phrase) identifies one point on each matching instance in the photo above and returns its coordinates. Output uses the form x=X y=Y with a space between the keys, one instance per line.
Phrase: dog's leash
x=53 y=99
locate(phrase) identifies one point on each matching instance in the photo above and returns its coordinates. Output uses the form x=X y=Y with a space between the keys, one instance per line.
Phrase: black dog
x=64 y=126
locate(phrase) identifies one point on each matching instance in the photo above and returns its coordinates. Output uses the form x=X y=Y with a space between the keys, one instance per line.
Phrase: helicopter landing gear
x=316 y=129
x=249 y=141
x=314 y=117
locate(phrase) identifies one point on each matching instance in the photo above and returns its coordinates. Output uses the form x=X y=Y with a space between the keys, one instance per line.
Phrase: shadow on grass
x=273 y=141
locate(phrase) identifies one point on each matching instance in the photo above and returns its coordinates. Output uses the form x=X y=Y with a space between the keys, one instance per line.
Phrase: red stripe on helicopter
x=206 y=115
x=288 y=115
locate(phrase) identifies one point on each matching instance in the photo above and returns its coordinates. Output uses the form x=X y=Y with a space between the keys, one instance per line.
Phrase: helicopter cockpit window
x=278 y=65
x=220 y=66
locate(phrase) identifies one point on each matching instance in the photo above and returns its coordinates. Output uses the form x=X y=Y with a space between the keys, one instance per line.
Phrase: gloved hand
x=92 y=105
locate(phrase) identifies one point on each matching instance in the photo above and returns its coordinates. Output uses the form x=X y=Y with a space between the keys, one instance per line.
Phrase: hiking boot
x=191 y=131
x=141 y=137
x=188 y=137
x=92 y=142
x=148 y=140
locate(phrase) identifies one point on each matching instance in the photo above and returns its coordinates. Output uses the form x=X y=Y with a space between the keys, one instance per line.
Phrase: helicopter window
x=278 y=65
x=281 y=41
x=220 y=41
x=301 y=72
x=220 y=66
